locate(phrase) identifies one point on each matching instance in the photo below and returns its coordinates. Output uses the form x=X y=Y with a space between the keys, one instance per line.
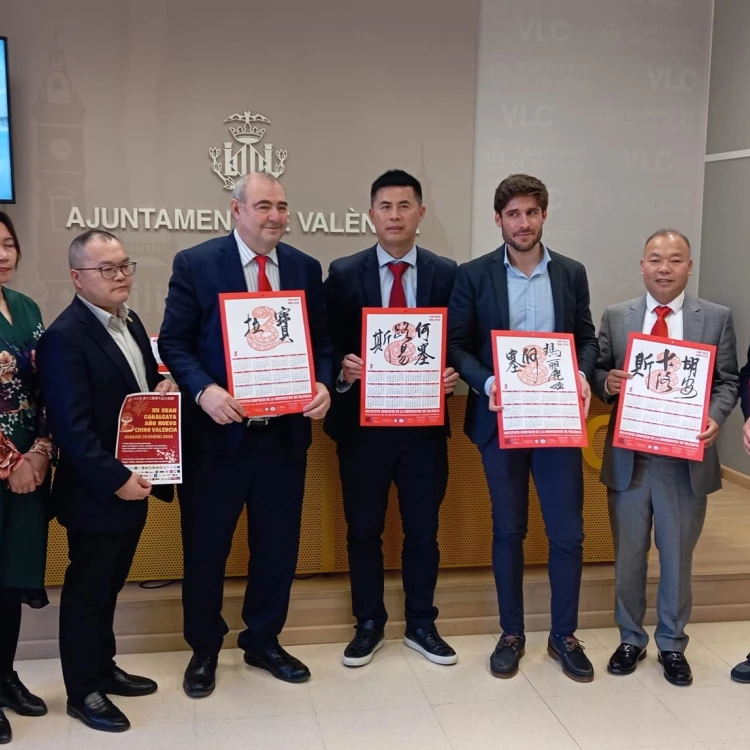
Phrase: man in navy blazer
x=394 y=273
x=95 y=354
x=258 y=463
x=524 y=286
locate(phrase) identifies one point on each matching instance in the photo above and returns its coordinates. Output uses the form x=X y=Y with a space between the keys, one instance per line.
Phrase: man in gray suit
x=645 y=488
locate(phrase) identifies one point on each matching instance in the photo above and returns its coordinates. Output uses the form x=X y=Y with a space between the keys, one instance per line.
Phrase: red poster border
x=256 y=408
x=551 y=441
x=408 y=421
x=645 y=445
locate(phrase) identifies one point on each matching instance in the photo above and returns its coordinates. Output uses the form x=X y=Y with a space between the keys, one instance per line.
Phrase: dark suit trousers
x=558 y=476
x=99 y=564
x=267 y=476
x=416 y=460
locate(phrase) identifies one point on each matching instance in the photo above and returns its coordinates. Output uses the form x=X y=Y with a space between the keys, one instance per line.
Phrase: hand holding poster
x=404 y=357
x=664 y=406
x=539 y=390
x=149 y=437
x=268 y=352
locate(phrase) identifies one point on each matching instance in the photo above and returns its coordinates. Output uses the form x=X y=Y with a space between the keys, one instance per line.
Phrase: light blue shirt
x=409 y=279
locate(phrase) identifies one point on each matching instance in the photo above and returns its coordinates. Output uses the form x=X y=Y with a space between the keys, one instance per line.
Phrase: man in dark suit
x=646 y=490
x=258 y=463
x=523 y=286
x=393 y=273
x=95 y=354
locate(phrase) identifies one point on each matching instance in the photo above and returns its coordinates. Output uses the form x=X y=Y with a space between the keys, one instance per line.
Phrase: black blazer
x=479 y=305
x=353 y=283
x=84 y=379
x=191 y=343
x=745 y=388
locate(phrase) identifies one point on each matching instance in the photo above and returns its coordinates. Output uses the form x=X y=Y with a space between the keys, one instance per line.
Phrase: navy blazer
x=84 y=379
x=353 y=283
x=745 y=387
x=191 y=342
x=479 y=305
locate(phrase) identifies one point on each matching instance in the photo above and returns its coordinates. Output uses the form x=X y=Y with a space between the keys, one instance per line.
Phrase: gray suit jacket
x=703 y=322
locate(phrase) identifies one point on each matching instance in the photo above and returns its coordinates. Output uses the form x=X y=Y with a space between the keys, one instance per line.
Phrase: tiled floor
x=402 y=701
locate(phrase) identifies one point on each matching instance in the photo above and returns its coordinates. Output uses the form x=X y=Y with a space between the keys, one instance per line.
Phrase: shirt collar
x=675 y=305
x=540 y=269
x=247 y=255
x=384 y=258
x=106 y=318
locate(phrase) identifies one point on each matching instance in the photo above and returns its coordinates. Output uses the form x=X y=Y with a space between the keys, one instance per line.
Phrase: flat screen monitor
x=7 y=194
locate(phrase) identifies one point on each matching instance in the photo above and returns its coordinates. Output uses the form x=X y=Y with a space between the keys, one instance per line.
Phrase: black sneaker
x=508 y=652
x=367 y=640
x=567 y=649
x=429 y=643
x=741 y=673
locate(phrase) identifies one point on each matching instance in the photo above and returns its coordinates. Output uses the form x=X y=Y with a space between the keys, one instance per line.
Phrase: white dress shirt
x=673 y=320
x=250 y=268
x=117 y=328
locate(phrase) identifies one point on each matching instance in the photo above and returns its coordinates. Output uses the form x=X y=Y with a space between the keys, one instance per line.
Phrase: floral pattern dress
x=23 y=518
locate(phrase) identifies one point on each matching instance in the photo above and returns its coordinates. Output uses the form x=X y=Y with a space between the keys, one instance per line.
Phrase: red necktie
x=398 y=296
x=264 y=285
x=660 y=327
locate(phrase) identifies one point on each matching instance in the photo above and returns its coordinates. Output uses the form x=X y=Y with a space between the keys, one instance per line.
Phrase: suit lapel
x=634 y=318
x=289 y=271
x=557 y=282
x=97 y=332
x=692 y=319
x=425 y=275
x=231 y=266
x=370 y=272
x=500 y=279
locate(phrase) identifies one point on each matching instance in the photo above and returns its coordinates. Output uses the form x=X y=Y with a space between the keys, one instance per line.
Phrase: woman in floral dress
x=25 y=453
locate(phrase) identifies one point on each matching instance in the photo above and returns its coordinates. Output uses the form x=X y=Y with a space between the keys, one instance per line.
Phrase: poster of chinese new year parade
x=403 y=350
x=539 y=390
x=664 y=406
x=268 y=352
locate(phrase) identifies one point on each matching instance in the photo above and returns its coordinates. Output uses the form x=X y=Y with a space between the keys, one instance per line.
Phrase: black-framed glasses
x=109 y=272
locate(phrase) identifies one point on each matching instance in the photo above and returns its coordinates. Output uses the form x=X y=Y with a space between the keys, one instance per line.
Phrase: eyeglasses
x=109 y=272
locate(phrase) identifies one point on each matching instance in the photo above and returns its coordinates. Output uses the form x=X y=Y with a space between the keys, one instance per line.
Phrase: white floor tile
x=155 y=664
x=602 y=721
x=509 y=724
x=39 y=732
x=152 y=736
x=731 y=652
x=384 y=729
x=271 y=733
x=720 y=631
x=168 y=705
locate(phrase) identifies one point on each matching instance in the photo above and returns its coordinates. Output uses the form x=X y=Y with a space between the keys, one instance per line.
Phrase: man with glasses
x=95 y=354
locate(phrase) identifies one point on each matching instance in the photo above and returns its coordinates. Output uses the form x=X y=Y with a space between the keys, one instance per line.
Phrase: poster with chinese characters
x=539 y=388
x=162 y=368
x=404 y=357
x=149 y=436
x=270 y=370
x=664 y=406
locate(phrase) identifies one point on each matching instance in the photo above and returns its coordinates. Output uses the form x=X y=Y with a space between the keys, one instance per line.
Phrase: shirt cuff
x=341 y=385
x=487 y=383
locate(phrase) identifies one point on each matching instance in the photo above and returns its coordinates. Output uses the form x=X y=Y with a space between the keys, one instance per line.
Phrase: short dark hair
x=664 y=232
x=77 y=247
x=5 y=219
x=396 y=178
x=515 y=185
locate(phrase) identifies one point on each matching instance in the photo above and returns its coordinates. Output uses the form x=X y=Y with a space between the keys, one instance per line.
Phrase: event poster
x=664 y=407
x=404 y=358
x=270 y=369
x=149 y=437
x=539 y=388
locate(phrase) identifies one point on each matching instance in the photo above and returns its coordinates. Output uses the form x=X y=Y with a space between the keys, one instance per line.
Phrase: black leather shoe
x=367 y=640
x=279 y=663
x=567 y=649
x=676 y=668
x=429 y=643
x=98 y=712
x=508 y=652
x=625 y=659
x=200 y=676
x=129 y=685
x=741 y=673
x=14 y=694
x=6 y=734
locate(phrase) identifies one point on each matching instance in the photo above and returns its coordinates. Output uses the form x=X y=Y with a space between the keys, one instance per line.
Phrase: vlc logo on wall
x=247 y=158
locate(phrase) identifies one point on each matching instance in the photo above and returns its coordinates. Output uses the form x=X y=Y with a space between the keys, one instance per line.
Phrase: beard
x=525 y=244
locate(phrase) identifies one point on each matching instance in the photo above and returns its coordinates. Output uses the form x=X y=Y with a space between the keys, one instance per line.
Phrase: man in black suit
x=258 y=463
x=393 y=273
x=523 y=286
x=95 y=354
